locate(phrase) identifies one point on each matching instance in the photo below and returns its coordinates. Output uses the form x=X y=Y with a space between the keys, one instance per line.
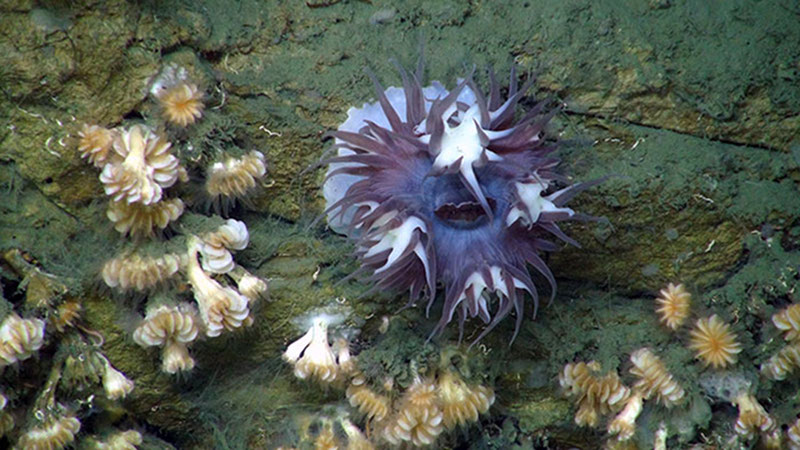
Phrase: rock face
x=691 y=108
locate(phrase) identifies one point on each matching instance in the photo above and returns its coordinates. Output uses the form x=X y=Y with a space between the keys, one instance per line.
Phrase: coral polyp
x=311 y=355
x=95 y=143
x=595 y=395
x=173 y=328
x=235 y=177
x=134 y=271
x=673 y=305
x=138 y=220
x=19 y=338
x=446 y=186
x=182 y=103
x=714 y=343
x=654 y=379
x=140 y=167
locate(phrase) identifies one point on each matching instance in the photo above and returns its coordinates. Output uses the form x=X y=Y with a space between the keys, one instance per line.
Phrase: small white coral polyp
x=19 y=338
x=182 y=103
x=370 y=403
x=140 y=167
x=235 y=177
x=214 y=249
x=312 y=355
x=138 y=272
x=221 y=307
x=53 y=433
x=654 y=379
x=419 y=419
x=170 y=327
x=461 y=403
x=714 y=342
x=595 y=394
x=674 y=303
x=95 y=143
x=137 y=219
x=752 y=416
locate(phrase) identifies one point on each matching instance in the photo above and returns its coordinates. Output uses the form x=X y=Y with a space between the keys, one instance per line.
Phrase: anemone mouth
x=465 y=215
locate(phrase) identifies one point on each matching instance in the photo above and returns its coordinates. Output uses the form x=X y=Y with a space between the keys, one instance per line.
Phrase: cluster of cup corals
x=78 y=369
x=600 y=394
x=138 y=170
x=414 y=416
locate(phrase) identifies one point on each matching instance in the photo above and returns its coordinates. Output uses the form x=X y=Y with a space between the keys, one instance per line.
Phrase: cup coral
x=214 y=249
x=713 y=342
x=221 y=307
x=182 y=103
x=460 y=402
x=753 y=418
x=134 y=271
x=121 y=440
x=445 y=186
x=419 y=417
x=370 y=403
x=595 y=394
x=137 y=219
x=55 y=432
x=674 y=303
x=19 y=338
x=624 y=424
x=654 y=379
x=140 y=167
x=311 y=355
x=170 y=327
x=95 y=143
x=234 y=177
x=788 y=321
x=782 y=363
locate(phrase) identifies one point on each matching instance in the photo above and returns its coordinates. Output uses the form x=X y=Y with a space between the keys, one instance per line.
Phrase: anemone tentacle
x=445 y=187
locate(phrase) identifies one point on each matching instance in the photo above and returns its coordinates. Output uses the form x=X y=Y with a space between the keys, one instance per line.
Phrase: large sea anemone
x=448 y=186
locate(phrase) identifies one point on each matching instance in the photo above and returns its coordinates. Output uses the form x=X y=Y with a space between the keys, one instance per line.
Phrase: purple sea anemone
x=446 y=186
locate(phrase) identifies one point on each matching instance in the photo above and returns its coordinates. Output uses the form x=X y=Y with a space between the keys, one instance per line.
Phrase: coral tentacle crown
x=446 y=186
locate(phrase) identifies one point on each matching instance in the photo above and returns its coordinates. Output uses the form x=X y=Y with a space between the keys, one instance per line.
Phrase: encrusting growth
x=714 y=343
x=674 y=304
